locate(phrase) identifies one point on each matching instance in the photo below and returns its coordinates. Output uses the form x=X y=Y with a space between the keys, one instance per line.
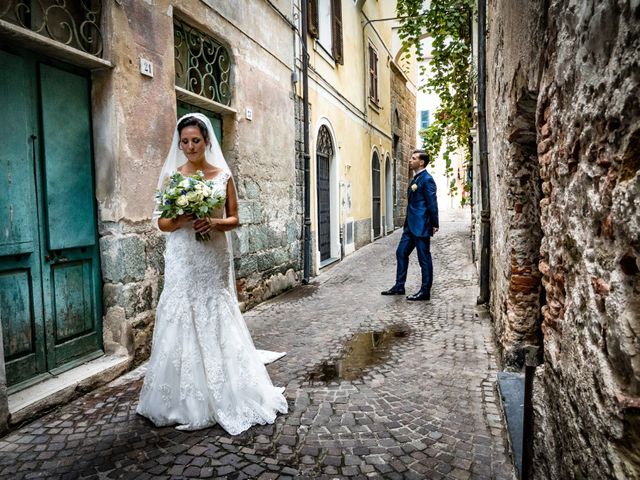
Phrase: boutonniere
x=414 y=187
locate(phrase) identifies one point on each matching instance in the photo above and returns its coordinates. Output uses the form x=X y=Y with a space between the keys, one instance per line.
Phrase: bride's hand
x=205 y=225
x=183 y=220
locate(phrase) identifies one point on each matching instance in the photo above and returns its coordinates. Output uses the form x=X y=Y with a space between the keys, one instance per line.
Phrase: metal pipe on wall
x=307 y=157
x=485 y=213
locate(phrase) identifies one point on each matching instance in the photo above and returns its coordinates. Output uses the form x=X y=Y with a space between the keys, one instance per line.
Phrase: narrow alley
x=378 y=387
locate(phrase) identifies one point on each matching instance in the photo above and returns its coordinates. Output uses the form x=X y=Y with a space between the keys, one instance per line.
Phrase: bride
x=204 y=368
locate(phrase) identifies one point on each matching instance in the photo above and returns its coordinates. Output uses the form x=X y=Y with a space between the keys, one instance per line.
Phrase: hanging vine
x=448 y=23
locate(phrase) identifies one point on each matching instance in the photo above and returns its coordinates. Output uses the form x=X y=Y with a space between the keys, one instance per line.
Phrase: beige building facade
x=362 y=104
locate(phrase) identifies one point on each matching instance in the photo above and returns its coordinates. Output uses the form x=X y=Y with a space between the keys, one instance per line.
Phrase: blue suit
x=422 y=218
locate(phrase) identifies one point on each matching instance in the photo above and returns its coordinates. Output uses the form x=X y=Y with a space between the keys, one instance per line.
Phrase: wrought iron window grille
x=325 y=146
x=203 y=66
x=73 y=23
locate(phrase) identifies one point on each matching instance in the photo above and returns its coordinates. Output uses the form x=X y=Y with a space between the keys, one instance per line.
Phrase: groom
x=420 y=225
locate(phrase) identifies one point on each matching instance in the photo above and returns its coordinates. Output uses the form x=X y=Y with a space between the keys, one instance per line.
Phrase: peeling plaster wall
x=577 y=64
x=134 y=118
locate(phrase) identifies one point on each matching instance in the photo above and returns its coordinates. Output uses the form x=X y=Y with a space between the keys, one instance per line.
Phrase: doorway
x=375 y=196
x=50 y=282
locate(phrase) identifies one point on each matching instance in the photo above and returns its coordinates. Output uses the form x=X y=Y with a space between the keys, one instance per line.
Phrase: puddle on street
x=360 y=352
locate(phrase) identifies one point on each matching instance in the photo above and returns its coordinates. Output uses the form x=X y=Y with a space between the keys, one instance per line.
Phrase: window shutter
x=312 y=17
x=373 y=74
x=336 y=24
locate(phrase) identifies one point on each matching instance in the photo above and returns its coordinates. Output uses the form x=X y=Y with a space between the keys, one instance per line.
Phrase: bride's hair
x=195 y=122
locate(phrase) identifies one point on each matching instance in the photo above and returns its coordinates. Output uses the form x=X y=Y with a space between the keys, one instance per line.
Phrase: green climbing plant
x=448 y=23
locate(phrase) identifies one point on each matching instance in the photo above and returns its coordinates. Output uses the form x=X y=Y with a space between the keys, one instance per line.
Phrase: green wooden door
x=216 y=121
x=21 y=312
x=62 y=321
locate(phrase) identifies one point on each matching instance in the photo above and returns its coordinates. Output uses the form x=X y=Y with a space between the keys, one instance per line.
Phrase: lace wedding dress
x=204 y=368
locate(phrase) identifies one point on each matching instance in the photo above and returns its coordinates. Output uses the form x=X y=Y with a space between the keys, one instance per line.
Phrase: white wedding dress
x=204 y=368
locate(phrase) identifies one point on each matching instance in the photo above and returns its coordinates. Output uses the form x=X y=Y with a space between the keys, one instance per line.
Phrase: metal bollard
x=531 y=362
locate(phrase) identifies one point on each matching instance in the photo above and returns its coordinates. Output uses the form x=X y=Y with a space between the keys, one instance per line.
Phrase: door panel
x=375 y=188
x=66 y=130
x=324 y=207
x=17 y=203
x=71 y=263
x=72 y=299
x=21 y=316
x=23 y=357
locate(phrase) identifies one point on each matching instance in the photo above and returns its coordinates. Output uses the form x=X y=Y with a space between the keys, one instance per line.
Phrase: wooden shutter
x=336 y=30
x=312 y=18
x=373 y=74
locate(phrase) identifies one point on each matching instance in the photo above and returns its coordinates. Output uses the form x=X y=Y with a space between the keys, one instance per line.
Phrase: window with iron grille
x=373 y=75
x=203 y=65
x=75 y=23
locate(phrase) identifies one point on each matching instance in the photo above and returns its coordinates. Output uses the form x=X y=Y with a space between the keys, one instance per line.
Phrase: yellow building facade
x=354 y=133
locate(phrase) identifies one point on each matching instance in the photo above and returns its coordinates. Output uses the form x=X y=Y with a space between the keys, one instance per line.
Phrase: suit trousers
x=407 y=244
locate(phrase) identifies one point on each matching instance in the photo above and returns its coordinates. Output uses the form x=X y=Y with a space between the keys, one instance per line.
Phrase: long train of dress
x=204 y=368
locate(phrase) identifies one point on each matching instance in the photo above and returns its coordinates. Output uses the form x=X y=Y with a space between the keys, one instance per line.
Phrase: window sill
x=374 y=106
x=193 y=99
x=322 y=52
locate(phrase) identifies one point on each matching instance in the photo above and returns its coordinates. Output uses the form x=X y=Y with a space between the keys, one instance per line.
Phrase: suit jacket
x=422 y=206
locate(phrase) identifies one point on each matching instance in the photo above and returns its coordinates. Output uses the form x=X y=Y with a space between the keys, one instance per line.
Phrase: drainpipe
x=485 y=213
x=307 y=157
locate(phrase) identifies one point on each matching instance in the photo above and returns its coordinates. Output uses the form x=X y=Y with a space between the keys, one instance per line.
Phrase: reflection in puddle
x=361 y=351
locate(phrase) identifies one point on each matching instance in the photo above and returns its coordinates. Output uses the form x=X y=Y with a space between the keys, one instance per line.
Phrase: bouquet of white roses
x=189 y=195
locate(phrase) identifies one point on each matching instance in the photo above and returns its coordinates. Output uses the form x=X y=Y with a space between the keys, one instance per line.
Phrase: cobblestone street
x=422 y=404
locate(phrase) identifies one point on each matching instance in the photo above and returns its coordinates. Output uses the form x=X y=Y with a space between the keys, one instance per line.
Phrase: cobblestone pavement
x=421 y=404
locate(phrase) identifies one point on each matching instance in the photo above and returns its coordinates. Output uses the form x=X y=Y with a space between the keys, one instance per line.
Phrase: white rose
x=206 y=191
x=414 y=187
x=182 y=201
x=191 y=196
x=184 y=183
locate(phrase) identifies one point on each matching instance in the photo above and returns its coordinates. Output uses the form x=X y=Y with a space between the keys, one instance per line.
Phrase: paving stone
x=414 y=408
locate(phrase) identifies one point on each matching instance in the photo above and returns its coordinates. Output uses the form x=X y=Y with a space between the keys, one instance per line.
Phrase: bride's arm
x=231 y=221
x=172 y=224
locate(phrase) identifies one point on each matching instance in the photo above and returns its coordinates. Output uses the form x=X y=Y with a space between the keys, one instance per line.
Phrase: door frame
x=375 y=154
x=334 y=194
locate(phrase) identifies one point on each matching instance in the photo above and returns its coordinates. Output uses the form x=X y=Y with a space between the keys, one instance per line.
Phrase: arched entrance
x=376 y=224
x=388 y=195
x=324 y=155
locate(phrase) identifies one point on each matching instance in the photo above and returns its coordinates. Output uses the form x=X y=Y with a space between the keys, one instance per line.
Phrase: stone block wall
x=132 y=271
x=403 y=127
x=564 y=128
